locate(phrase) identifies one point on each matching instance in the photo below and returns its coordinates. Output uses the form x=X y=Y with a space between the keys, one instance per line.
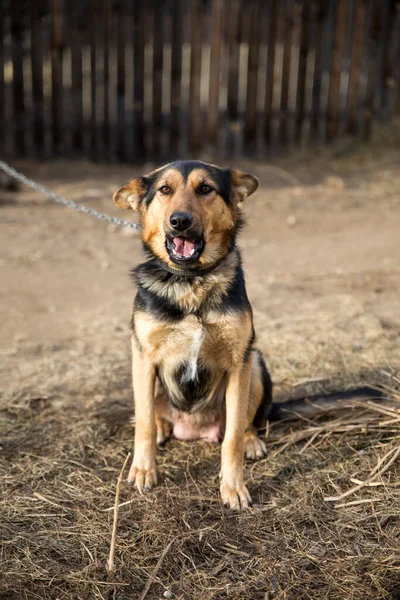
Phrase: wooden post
x=233 y=53
x=336 y=69
x=392 y=64
x=93 y=25
x=389 y=51
x=250 y=118
x=287 y=52
x=176 y=74
x=360 y=8
x=76 y=82
x=195 y=74
x=37 y=80
x=106 y=81
x=270 y=78
x=138 y=81
x=18 y=79
x=121 y=36
x=215 y=66
x=372 y=28
x=301 y=82
x=158 y=48
x=319 y=11
x=57 y=73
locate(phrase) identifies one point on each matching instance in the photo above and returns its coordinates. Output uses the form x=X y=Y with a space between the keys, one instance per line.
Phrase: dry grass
x=60 y=470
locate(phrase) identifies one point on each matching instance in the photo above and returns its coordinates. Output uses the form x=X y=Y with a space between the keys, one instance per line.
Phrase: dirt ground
x=322 y=263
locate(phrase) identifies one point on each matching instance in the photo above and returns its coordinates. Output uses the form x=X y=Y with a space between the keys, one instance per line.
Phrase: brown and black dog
x=196 y=373
x=195 y=370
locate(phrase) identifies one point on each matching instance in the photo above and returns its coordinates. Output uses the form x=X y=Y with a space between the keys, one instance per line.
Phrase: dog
x=196 y=372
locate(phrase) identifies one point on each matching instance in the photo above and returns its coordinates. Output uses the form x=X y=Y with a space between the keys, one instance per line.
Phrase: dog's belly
x=187 y=426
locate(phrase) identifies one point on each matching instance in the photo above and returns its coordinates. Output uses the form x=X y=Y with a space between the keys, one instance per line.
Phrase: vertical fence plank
x=372 y=26
x=302 y=71
x=138 y=81
x=106 y=77
x=319 y=11
x=233 y=57
x=270 y=76
x=215 y=68
x=336 y=69
x=287 y=52
x=158 y=46
x=250 y=117
x=2 y=83
x=392 y=63
x=121 y=40
x=93 y=29
x=360 y=8
x=195 y=74
x=57 y=73
x=37 y=79
x=386 y=66
x=176 y=74
x=76 y=81
x=18 y=79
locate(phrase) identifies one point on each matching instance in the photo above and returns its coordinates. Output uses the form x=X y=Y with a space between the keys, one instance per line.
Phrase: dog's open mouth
x=182 y=249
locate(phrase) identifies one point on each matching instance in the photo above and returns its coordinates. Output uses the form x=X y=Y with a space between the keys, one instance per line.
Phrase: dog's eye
x=204 y=189
x=166 y=190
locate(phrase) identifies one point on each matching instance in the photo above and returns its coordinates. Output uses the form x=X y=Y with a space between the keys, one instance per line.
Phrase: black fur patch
x=235 y=299
x=249 y=347
x=221 y=177
x=193 y=391
x=151 y=187
x=150 y=302
x=158 y=307
x=261 y=416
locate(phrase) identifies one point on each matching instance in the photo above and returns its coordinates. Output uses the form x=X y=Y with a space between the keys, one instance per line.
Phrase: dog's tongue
x=183 y=247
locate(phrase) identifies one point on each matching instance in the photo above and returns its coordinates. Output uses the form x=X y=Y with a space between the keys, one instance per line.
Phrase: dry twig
x=155 y=570
x=374 y=474
x=110 y=563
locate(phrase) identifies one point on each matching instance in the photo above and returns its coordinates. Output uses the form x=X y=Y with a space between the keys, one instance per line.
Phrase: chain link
x=63 y=201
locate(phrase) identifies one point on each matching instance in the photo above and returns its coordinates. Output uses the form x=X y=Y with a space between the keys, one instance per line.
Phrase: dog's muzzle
x=184 y=249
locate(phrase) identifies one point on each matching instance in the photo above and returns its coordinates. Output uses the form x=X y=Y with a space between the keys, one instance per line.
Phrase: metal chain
x=60 y=200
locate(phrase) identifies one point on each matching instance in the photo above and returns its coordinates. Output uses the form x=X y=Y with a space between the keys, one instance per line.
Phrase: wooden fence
x=137 y=80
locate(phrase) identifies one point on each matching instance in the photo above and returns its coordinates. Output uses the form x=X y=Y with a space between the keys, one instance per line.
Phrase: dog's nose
x=181 y=221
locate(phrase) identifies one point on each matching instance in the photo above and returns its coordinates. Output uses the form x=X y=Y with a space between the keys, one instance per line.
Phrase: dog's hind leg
x=163 y=416
x=260 y=399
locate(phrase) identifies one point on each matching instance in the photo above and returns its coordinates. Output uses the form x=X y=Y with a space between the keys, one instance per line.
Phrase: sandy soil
x=322 y=263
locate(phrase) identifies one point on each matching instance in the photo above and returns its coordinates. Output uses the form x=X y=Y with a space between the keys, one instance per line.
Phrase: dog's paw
x=144 y=478
x=254 y=448
x=236 y=497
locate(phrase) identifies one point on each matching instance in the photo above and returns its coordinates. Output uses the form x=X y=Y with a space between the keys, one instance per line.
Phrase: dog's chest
x=186 y=355
x=192 y=344
x=184 y=347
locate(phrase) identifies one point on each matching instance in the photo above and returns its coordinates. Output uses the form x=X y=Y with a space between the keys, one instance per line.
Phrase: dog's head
x=189 y=210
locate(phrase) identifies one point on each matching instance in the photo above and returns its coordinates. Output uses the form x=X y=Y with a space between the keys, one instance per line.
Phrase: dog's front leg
x=143 y=470
x=233 y=491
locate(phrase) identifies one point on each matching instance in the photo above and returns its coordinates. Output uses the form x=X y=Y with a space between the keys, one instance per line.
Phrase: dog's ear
x=131 y=195
x=243 y=184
